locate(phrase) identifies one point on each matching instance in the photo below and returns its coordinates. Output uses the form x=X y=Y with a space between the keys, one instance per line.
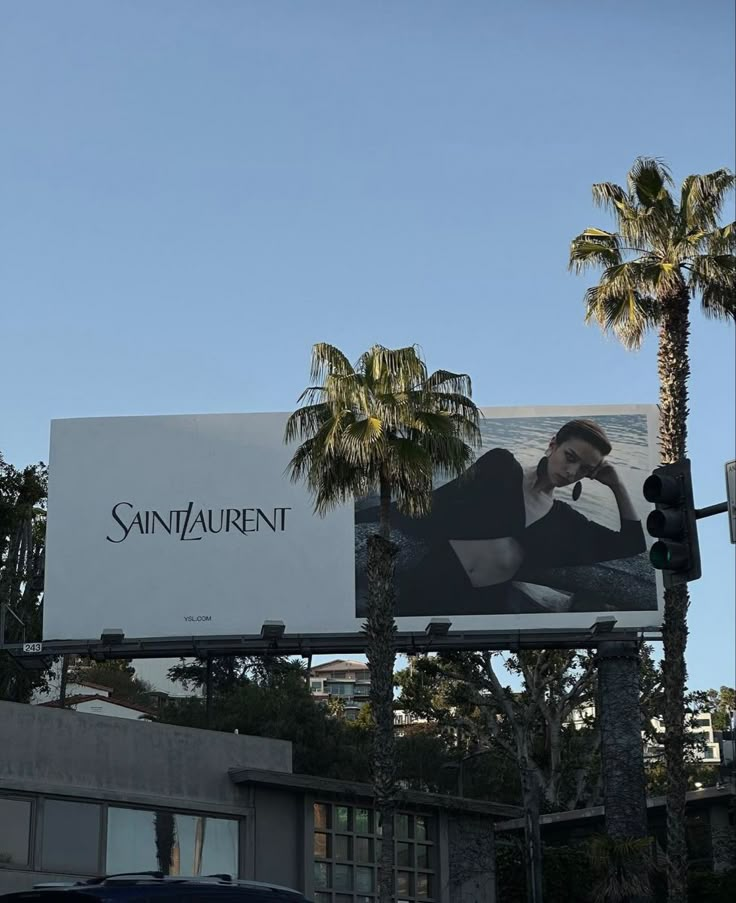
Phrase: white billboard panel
x=190 y=525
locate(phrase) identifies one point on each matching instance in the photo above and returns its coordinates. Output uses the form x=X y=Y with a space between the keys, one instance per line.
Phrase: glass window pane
x=342 y=818
x=321 y=875
x=322 y=846
x=323 y=898
x=363 y=851
x=424 y=885
x=15 y=831
x=363 y=821
x=342 y=847
x=365 y=900
x=403 y=854
x=343 y=877
x=321 y=816
x=364 y=880
x=422 y=854
x=421 y=827
x=71 y=837
x=344 y=898
x=172 y=842
x=403 y=883
x=402 y=825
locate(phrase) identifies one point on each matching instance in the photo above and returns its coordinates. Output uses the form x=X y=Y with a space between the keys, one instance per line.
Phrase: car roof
x=154 y=885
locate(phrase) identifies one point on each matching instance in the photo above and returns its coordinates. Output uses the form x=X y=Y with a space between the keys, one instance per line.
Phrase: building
x=711 y=827
x=699 y=728
x=343 y=680
x=82 y=795
x=95 y=699
x=707 y=748
x=350 y=683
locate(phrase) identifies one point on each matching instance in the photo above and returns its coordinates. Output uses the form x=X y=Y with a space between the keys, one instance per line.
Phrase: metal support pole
x=63 y=682
x=208 y=692
x=720 y=508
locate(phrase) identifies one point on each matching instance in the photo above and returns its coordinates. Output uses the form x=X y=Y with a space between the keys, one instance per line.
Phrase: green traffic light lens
x=660 y=556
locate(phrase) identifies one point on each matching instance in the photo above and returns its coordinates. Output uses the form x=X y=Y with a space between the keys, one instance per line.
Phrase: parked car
x=153 y=887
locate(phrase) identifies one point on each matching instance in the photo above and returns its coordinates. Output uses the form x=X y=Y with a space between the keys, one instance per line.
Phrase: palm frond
x=718 y=301
x=721 y=240
x=702 y=198
x=446 y=381
x=306 y=421
x=628 y=313
x=648 y=181
x=384 y=419
x=326 y=359
x=713 y=277
x=594 y=247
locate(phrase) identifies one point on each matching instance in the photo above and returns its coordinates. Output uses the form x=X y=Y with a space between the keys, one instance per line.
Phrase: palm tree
x=384 y=424
x=664 y=252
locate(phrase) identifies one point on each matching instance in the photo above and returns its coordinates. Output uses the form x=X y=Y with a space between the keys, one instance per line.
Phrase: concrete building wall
x=53 y=750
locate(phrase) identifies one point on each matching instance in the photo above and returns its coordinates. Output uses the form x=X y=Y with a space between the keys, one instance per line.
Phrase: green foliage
x=384 y=422
x=284 y=709
x=661 y=246
x=481 y=718
x=231 y=671
x=721 y=704
x=118 y=675
x=22 y=544
x=620 y=868
x=568 y=877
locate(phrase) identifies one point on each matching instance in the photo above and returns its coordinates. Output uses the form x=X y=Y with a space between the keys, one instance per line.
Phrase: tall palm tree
x=382 y=425
x=664 y=252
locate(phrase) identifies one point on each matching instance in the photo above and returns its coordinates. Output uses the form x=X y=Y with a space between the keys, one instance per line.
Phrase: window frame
x=31 y=845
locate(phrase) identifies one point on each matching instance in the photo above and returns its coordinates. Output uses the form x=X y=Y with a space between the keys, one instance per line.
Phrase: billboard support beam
x=306 y=645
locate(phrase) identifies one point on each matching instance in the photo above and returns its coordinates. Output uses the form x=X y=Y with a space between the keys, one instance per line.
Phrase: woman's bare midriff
x=488 y=561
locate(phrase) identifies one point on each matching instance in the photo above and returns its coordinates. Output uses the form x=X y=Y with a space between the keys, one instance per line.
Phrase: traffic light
x=676 y=552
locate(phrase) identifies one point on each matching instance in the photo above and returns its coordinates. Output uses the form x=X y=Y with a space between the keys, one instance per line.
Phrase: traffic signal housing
x=673 y=523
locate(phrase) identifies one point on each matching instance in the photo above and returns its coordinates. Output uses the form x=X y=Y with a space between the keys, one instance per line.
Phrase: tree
x=721 y=704
x=532 y=726
x=664 y=251
x=118 y=675
x=384 y=424
x=22 y=547
x=281 y=706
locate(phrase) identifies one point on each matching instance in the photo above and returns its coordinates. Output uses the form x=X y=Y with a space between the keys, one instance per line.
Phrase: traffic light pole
x=720 y=508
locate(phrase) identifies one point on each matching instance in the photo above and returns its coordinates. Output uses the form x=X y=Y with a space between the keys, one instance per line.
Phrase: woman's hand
x=606 y=474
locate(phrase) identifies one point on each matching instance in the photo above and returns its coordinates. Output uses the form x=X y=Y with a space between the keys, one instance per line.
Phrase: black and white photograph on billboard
x=548 y=520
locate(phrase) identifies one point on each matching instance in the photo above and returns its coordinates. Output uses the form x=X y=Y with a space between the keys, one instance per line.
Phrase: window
x=176 y=844
x=70 y=837
x=347 y=845
x=15 y=831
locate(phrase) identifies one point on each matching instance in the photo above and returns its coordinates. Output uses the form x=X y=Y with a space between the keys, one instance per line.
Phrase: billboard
x=189 y=525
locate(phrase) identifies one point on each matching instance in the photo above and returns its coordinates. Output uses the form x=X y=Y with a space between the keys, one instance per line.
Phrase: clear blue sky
x=194 y=192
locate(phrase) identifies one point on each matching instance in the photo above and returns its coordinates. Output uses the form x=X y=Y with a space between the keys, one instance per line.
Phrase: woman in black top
x=498 y=525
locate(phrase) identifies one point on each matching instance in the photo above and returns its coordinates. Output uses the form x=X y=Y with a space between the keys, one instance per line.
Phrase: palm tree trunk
x=380 y=629
x=674 y=369
x=384 y=523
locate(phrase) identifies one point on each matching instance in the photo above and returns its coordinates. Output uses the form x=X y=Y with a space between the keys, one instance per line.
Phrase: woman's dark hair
x=586 y=430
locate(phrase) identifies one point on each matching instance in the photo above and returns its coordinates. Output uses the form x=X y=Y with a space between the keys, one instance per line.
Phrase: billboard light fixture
x=438 y=627
x=603 y=625
x=272 y=630
x=113 y=636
